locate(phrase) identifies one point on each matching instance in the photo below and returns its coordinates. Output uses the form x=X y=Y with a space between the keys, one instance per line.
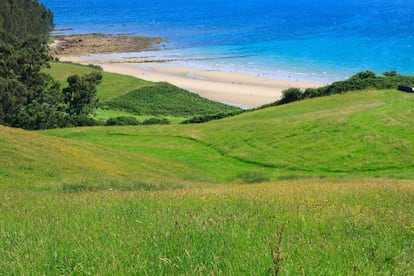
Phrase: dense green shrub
x=291 y=95
x=122 y=121
x=82 y=120
x=156 y=121
x=392 y=73
x=207 y=118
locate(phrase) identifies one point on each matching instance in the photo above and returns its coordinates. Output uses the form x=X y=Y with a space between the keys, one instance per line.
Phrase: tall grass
x=331 y=228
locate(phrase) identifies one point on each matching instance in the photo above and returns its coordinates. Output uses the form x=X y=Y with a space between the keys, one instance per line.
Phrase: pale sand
x=228 y=87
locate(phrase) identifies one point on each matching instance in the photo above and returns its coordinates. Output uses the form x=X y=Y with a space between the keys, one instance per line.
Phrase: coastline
x=218 y=84
x=97 y=43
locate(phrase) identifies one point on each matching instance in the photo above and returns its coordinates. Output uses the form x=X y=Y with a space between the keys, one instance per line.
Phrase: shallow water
x=311 y=40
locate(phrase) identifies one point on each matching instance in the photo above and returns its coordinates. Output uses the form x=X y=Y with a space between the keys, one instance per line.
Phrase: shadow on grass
x=253 y=177
x=84 y=186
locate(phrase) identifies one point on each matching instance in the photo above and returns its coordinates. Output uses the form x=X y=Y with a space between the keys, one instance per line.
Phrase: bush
x=359 y=81
x=156 y=121
x=291 y=95
x=311 y=93
x=207 y=118
x=363 y=75
x=82 y=121
x=390 y=73
x=122 y=121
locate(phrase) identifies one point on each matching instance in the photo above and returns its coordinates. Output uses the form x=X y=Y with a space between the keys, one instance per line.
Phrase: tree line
x=30 y=98
x=359 y=81
x=25 y=18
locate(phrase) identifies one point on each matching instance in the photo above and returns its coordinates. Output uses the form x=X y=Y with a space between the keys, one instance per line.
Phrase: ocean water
x=323 y=40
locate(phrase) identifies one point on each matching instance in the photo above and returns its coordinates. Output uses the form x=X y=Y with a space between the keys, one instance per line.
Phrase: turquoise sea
x=322 y=40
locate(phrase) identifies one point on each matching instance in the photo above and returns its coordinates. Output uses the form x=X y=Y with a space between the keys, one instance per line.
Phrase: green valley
x=211 y=198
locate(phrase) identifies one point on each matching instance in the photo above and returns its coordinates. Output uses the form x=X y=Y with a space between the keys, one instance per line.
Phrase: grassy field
x=358 y=134
x=336 y=172
x=330 y=228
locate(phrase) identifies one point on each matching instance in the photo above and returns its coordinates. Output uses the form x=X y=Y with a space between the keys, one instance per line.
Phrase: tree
x=80 y=95
x=29 y=98
x=363 y=75
x=291 y=95
x=392 y=73
x=26 y=18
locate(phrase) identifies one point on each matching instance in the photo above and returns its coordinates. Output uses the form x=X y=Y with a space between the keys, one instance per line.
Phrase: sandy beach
x=240 y=89
x=217 y=84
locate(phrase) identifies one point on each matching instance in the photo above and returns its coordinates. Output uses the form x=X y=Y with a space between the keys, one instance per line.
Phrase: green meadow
x=322 y=186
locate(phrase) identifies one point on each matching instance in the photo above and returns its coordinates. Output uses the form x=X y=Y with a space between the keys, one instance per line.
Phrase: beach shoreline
x=233 y=87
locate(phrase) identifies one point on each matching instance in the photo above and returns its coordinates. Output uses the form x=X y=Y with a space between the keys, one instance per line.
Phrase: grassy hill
x=164 y=99
x=121 y=95
x=31 y=161
x=359 y=134
x=179 y=199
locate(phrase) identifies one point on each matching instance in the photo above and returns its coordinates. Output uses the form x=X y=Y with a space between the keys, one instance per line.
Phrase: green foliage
x=80 y=95
x=360 y=81
x=207 y=118
x=156 y=121
x=291 y=95
x=392 y=73
x=81 y=120
x=164 y=99
x=112 y=85
x=363 y=75
x=122 y=121
x=26 y=18
x=30 y=98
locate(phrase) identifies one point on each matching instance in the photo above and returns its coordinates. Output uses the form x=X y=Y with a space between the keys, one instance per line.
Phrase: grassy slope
x=164 y=99
x=34 y=162
x=357 y=134
x=50 y=222
x=112 y=86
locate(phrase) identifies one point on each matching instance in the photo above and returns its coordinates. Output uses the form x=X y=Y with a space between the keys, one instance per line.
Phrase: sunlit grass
x=156 y=200
x=365 y=133
x=331 y=228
